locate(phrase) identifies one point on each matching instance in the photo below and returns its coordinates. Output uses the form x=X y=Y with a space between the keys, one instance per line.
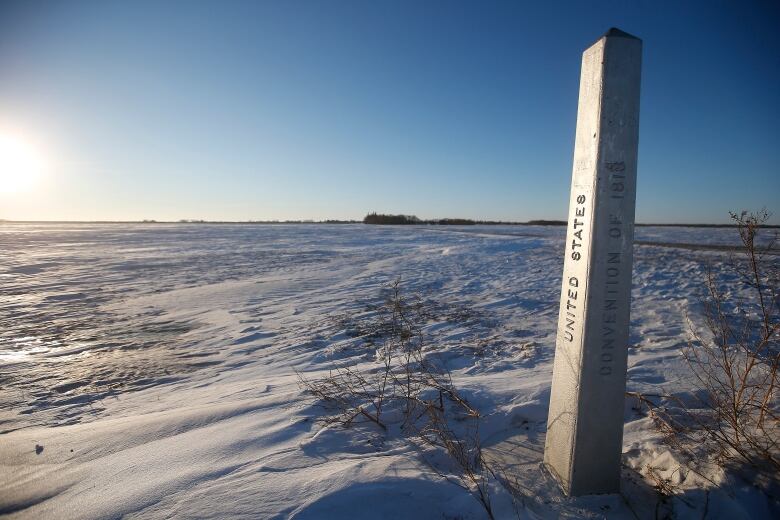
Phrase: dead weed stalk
x=408 y=390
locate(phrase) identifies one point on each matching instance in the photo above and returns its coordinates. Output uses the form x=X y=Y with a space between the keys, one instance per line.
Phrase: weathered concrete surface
x=585 y=425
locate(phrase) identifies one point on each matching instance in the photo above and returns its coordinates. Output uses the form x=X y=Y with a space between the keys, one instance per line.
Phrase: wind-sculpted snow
x=150 y=370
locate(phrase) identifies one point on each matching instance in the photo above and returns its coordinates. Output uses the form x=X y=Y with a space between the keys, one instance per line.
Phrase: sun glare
x=21 y=164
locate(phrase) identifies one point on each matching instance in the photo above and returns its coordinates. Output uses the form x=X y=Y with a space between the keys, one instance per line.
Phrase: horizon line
x=429 y=222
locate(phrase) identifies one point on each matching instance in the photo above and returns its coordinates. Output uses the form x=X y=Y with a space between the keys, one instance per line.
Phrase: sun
x=21 y=164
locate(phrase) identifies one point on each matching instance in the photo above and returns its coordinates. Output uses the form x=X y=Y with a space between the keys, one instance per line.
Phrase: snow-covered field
x=149 y=370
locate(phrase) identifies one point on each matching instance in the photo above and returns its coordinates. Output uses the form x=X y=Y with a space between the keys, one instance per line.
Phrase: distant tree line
x=378 y=218
x=381 y=218
x=546 y=222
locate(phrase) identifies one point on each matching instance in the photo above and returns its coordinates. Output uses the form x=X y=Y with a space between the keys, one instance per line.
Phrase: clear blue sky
x=328 y=109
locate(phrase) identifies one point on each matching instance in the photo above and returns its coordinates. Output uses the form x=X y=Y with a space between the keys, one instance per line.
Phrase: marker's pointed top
x=614 y=32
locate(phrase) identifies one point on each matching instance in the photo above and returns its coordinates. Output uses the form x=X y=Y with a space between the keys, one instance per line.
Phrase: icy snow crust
x=148 y=370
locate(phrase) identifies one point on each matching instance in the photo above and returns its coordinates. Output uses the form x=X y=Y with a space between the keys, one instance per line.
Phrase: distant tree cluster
x=381 y=218
x=378 y=218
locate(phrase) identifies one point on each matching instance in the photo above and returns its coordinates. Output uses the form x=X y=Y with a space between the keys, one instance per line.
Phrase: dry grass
x=733 y=421
x=407 y=389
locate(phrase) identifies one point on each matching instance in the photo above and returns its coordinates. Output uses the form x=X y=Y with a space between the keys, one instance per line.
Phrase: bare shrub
x=733 y=421
x=409 y=390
